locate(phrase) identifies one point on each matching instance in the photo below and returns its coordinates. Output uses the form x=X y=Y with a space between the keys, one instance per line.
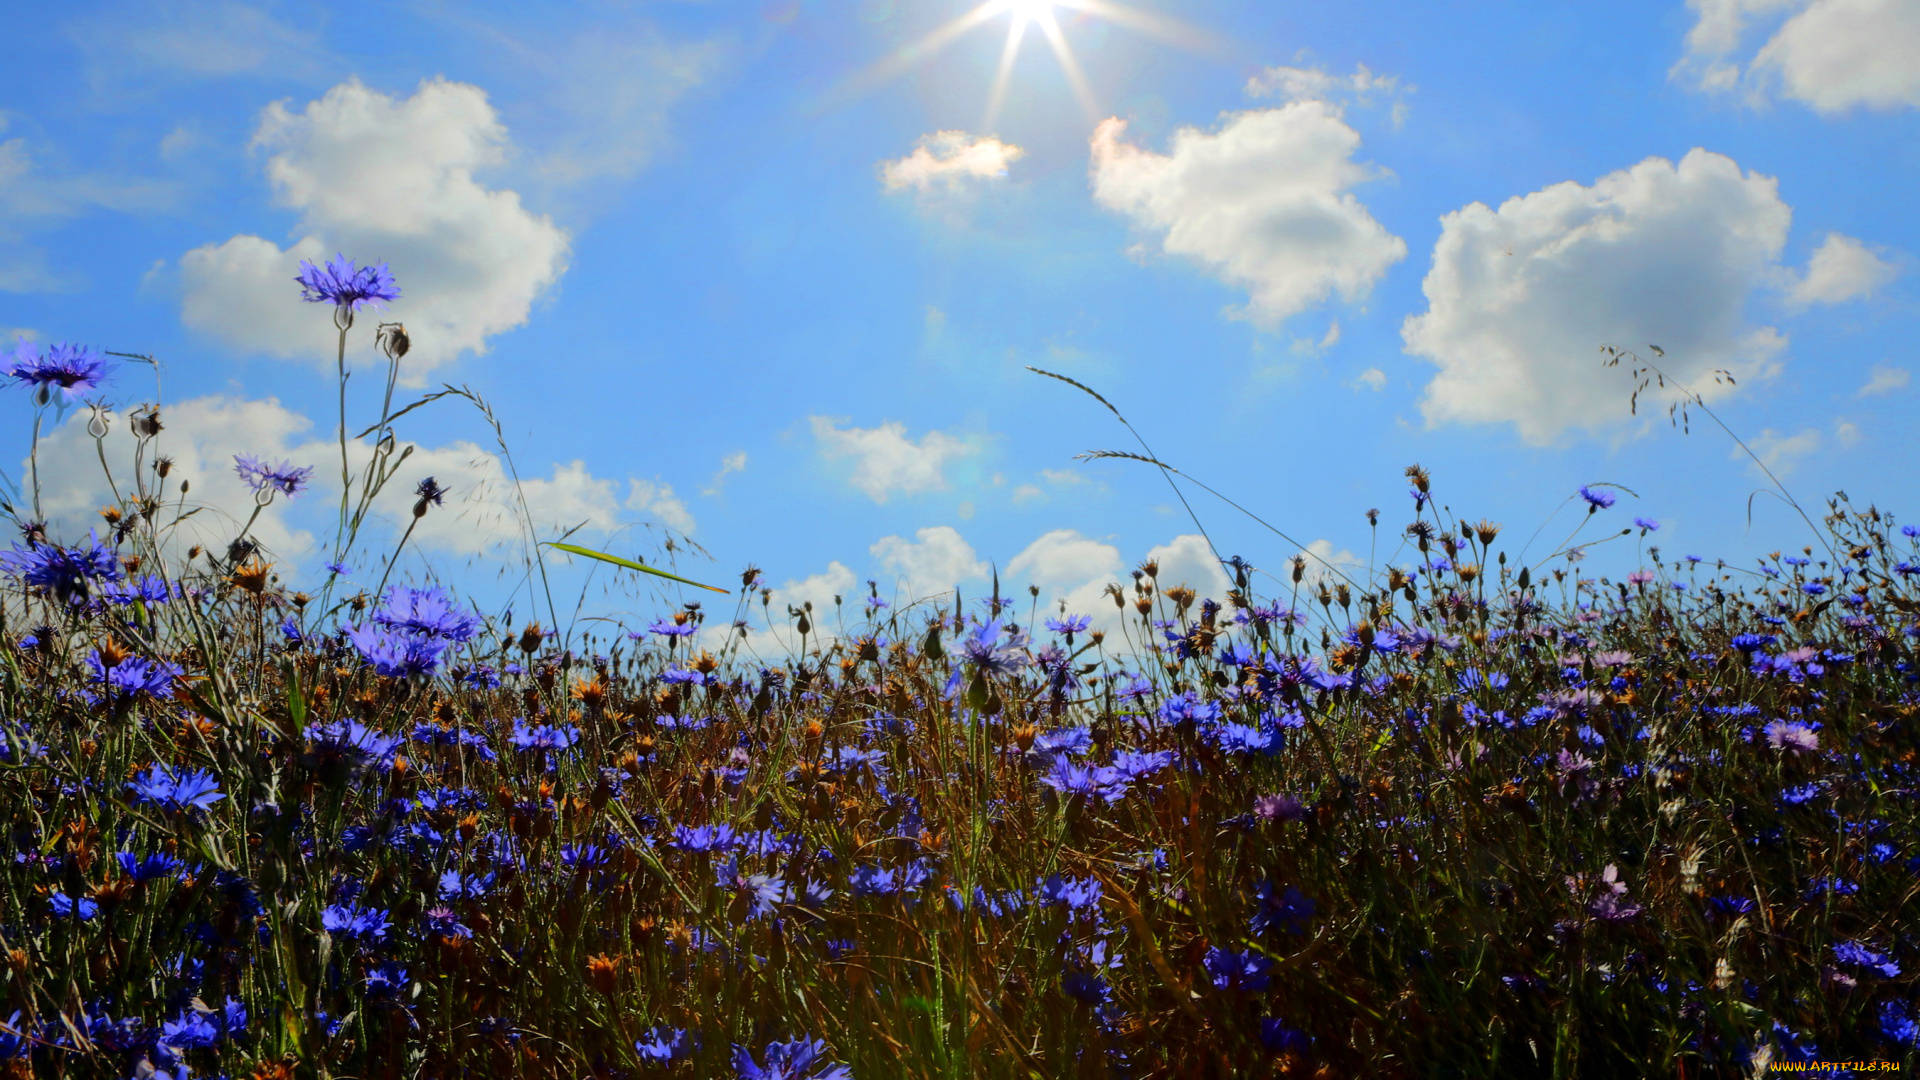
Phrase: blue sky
x=762 y=273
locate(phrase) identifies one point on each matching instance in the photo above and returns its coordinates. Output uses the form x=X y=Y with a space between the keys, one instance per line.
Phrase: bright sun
x=1024 y=15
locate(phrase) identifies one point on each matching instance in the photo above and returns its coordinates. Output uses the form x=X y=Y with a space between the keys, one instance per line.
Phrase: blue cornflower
x=188 y=790
x=454 y=886
x=425 y=611
x=343 y=284
x=801 y=1059
x=1071 y=779
x=134 y=675
x=1077 y=895
x=385 y=979
x=1813 y=588
x=1858 y=955
x=151 y=590
x=360 y=745
x=1897 y=1025
x=265 y=479
x=1276 y=1036
x=395 y=654
x=75 y=369
x=1287 y=909
x=64 y=572
x=1070 y=625
x=193 y=1030
x=233 y=1019
x=1074 y=740
x=543 y=736
x=762 y=891
x=428 y=491
x=1647 y=524
x=152 y=868
x=670 y=628
x=71 y=907
x=1232 y=970
x=351 y=922
x=1597 y=499
x=1082 y=985
x=667 y=1044
x=989 y=654
x=705 y=838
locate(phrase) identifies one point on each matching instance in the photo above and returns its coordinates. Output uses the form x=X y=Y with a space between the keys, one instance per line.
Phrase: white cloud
x=1372 y=379
x=1520 y=299
x=1324 y=563
x=886 y=461
x=1846 y=433
x=732 y=463
x=1262 y=203
x=383 y=180
x=950 y=161
x=33 y=197
x=1064 y=559
x=1317 y=84
x=1780 y=452
x=1833 y=55
x=818 y=590
x=1885 y=380
x=1027 y=493
x=1841 y=270
x=936 y=560
x=653 y=497
x=198 y=38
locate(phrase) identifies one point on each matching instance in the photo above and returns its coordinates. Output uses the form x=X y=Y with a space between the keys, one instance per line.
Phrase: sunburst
x=1023 y=16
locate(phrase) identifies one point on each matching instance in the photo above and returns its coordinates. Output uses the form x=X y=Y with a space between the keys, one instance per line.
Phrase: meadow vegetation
x=1462 y=816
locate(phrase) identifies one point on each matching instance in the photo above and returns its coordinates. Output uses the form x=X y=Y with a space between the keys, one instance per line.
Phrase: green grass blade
x=576 y=549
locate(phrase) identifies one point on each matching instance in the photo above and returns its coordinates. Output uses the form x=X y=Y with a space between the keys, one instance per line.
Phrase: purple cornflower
x=135 y=675
x=1797 y=738
x=442 y=922
x=351 y=922
x=1286 y=909
x=1597 y=500
x=543 y=736
x=705 y=838
x=68 y=907
x=1613 y=904
x=1278 y=808
x=74 y=369
x=187 y=790
x=665 y=1044
x=1649 y=524
x=801 y=1059
x=192 y=1031
x=1857 y=955
x=429 y=491
x=266 y=479
x=343 y=284
x=359 y=745
x=1232 y=970
x=427 y=611
x=64 y=572
x=984 y=649
x=397 y=655
x=1077 y=895
x=1070 y=625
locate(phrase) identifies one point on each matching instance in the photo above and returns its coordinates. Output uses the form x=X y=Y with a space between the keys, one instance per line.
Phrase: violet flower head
x=1232 y=970
x=428 y=612
x=1598 y=499
x=801 y=1059
x=64 y=572
x=343 y=284
x=194 y=789
x=1797 y=738
x=74 y=370
x=265 y=479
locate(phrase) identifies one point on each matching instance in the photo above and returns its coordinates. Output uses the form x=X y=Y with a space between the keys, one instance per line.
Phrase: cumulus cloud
x=1834 y=55
x=885 y=461
x=482 y=513
x=1371 y=379
x=1780 y=452
x=1885 y=380
x=936 y=560
x=732 y=463
x=1317 y=84
x=1262 y=203
x=950 y=161
x=1521 y=298
x=1325 y=563
x=390 y=180
x=1841 y=270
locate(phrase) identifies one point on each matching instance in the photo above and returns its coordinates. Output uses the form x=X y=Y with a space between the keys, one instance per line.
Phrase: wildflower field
x=1464 y=818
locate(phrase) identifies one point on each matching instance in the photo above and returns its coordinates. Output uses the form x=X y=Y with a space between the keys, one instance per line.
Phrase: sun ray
x=1077 y=79
x=997 y=98
x=1023 y=15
